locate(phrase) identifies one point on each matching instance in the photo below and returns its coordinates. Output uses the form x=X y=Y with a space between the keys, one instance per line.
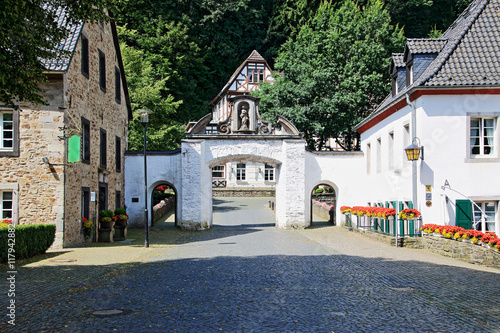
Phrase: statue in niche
x=244 y=117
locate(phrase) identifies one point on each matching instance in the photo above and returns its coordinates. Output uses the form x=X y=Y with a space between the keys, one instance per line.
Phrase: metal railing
x=216 y=183
x=404 y=228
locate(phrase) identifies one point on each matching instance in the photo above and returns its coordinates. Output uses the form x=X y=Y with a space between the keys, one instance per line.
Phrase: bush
x=159 y=196
x=106 y=213
x=120 y=211
x=319 y=190
x=30 y=240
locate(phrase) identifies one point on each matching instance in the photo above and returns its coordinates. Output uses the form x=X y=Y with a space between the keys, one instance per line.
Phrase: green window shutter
x=410 y=204
x=464 y=214
x=74 y=149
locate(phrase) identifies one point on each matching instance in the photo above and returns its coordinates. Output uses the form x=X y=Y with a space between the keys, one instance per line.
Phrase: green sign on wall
x=74 y=149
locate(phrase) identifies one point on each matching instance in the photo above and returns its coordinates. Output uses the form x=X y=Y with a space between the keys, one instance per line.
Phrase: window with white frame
x=390 y=146
x=219 y=171
x=241 y=171
x=368 y=157
x=379 y=155
x=490 y=210
x=255 y=75
x=6 y=204
x=406 y=139
x=7 y=130
x=268 y=173
x=482 y=136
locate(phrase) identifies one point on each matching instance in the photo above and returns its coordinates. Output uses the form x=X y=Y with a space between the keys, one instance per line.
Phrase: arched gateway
x=243 y=137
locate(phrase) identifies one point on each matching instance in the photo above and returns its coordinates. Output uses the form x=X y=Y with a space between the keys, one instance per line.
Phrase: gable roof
x=253 y=57
x=468 y=57
x=62 y=63
x=425 y=45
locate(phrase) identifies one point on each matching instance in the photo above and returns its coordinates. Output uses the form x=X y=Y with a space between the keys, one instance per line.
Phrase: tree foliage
x=334 y=72
x=150 y=92
x=420 y=18
x=28 y=33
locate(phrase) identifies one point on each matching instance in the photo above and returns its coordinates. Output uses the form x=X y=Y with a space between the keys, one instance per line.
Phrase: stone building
x=65 y=160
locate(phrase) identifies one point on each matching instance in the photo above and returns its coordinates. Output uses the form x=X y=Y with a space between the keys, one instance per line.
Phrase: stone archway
x=326 y=198
x=174 y=202
x=249 y=140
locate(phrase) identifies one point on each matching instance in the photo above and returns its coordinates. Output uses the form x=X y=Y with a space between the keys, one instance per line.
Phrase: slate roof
x=425 y=45
x=469 y=54
x=61 y=63
x=398 y=60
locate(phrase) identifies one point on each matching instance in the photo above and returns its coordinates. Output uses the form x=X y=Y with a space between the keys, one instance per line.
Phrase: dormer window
x=410 y=72
x=398 y=73
x=395 y=89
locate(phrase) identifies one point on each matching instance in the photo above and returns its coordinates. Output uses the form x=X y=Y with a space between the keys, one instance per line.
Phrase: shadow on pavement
x=267 y=293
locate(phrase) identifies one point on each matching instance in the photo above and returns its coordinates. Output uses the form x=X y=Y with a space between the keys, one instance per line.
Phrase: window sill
x=481 y=159
x=10 y=153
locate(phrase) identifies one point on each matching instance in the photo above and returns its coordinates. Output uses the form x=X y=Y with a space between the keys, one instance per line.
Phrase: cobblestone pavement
x=253 y=278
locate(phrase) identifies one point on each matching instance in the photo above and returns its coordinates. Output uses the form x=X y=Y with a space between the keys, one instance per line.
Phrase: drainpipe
x=413 y=163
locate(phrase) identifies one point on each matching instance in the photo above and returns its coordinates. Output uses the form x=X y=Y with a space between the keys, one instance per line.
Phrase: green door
x=464 y=214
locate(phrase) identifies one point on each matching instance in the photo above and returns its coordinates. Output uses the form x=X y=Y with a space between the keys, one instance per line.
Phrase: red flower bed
x=475 y=236
x=369 y=211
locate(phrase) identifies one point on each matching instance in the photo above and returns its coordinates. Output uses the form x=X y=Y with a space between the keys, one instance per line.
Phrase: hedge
x=30 y=240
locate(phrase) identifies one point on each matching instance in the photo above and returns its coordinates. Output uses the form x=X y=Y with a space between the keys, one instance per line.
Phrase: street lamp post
x=414 y=152
x=144 y=116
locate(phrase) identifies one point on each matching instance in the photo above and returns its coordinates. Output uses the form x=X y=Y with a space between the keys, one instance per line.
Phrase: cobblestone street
x=247 y=276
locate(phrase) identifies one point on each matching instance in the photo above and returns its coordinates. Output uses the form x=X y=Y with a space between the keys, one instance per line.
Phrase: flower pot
x=437 y=234
x=121 y=222
x=106 y=224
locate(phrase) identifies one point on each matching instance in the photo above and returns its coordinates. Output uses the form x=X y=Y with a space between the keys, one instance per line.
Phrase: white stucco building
x=452 y=87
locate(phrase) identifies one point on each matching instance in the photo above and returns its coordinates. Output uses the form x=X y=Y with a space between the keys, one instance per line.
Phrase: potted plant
x=409 y=214
x=106 y=219
x=121 y=216
x=88 y=227
x=345 y=210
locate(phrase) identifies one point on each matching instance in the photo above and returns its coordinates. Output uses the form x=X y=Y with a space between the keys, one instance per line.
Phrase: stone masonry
x=52 y=193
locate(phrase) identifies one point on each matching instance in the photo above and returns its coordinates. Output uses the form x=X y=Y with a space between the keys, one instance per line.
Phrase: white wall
x=161 y=168
x=343 y=170
x=443 y=129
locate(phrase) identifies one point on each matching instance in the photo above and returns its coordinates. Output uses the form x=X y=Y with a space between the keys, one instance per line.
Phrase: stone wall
x=52 y=193
x=471 y=253
x=84 y=98
x=409 y=242
x=322 y=210
x=163 y=208
x=40 y=185
x=243 y=192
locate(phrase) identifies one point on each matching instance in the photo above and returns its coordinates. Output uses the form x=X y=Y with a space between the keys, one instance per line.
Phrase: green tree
x=334 y=72
x=150 y=92
x=29 y=32
x=420 y=18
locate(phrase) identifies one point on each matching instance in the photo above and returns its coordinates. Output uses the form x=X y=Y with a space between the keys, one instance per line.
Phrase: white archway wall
x=198 y=156
x=344 y=170
x=297 y=173
x=162 y=168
